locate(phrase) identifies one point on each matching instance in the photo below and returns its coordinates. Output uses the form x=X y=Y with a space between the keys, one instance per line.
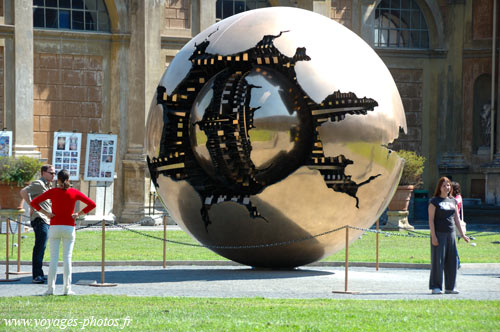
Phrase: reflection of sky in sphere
x=203 y=101
x=268 y=96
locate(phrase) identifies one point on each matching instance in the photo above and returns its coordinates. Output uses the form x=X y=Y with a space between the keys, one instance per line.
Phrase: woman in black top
x=443 y=214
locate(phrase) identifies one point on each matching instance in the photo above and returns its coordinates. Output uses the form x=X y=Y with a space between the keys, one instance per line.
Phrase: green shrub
x=413 y=169
x=18 y=170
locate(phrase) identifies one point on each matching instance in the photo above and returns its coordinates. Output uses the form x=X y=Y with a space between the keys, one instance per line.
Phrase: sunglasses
x=52 y=173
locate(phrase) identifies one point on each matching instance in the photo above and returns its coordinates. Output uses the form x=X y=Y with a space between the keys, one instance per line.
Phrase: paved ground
x=475 y=281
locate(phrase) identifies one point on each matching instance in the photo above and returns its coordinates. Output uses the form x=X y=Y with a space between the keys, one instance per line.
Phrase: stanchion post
x=346 y=257
x=19 y=245
x=376 y=263
x=103 y=284
x=7 y=253
x=164 y=241
x=346 y=277
x=19 y=224
x=103 y=247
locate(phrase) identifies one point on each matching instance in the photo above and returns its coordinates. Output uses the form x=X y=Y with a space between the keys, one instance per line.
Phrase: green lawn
x=124 y=245
x=250 y=314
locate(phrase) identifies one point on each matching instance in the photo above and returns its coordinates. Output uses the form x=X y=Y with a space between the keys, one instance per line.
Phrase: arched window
x=87 y=15
x=400 y=24
x=226 y=8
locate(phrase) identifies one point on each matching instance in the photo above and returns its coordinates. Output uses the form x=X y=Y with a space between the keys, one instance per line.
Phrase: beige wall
x=341 y=11
x=68 y=95
x=177 y=14
x=102 y=81
x=409 y=83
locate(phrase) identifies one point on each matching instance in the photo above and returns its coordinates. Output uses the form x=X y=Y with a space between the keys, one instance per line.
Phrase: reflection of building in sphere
x=245 y=155
x=225 y=131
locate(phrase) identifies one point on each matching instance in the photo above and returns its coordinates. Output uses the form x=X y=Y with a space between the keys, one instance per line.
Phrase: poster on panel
x=66 y=154
x=100 y=157
x=5 y=143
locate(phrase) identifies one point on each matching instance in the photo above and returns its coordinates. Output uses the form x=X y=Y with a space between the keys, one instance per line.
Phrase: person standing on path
x=62 y=226
x=443 y=215
x=39 y=222
x=456 y=193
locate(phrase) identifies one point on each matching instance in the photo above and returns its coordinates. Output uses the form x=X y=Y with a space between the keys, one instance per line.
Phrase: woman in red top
x=62 y=226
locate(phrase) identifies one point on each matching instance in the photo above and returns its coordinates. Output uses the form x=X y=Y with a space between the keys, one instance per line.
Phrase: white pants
x=67 y=235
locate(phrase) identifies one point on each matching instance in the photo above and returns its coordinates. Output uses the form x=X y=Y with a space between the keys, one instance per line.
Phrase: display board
x=100 y=157
x=5 y=143
x=66 y=154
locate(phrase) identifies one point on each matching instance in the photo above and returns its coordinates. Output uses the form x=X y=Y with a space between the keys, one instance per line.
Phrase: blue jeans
x=41 y=234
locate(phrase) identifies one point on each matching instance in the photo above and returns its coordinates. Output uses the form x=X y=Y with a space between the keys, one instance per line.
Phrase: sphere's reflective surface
x=263 y=132
x=274 y=136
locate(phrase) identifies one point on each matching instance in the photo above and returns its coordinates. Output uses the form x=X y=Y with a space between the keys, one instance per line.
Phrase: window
x=226 y=8
x=400 y=24
x=87 y=15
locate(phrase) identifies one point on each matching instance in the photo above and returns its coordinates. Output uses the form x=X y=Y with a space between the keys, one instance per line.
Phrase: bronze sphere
x=265 y=136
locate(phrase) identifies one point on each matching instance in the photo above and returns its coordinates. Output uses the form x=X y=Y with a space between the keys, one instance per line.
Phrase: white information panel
x=5 y=143
x=66 y=155
x=100 y=158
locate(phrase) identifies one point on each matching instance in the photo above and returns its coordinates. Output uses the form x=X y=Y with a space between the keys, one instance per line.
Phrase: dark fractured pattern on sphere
x=228 y=119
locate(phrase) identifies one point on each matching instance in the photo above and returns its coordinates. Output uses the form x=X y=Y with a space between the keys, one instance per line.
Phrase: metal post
x=19 y=224
x=164 y=241
x=104 y=205
x=346 y=257
x=346 y=277
x=103 y=245
x=149 y=204
x=103 y=284
x=7 y=253
x=376 y=263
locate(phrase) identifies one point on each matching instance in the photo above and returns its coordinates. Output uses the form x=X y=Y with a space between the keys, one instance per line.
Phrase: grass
x=251 y=314
x=128 y=246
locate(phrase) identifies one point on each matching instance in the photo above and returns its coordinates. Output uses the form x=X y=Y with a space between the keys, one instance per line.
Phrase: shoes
x=44 y=278
x=451 y=292
x=436 y=291
x=48 y=292
x=38 y=280
x=70 y=292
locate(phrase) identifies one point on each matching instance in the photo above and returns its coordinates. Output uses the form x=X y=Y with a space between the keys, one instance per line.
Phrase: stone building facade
x=95 y=65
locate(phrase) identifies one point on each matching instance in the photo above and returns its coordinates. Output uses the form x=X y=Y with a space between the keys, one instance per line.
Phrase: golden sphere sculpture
x=269 y=130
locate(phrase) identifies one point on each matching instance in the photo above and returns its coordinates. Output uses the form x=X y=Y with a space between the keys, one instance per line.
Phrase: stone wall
x=341 y=11
x=68 y=95
x=409 y=83
x=482 y=19
x=177 y=14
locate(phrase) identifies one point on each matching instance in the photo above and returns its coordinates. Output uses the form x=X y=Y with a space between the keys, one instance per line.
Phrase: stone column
x=207 y=13
x=145 y=27
x=451 y=117
x=19 y=77
x=364 y=19
x=492 y=169
x=322 y=7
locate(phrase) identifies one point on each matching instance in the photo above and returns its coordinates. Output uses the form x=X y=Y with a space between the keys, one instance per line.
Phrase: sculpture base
x=492 y=174
x=397 y=220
